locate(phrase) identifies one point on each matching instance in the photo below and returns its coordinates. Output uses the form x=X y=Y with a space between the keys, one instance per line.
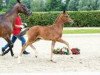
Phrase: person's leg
x=13 y=39
x=22 y=39
x=5 y=47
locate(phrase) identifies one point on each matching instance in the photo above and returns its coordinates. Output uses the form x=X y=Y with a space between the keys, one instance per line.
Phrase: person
x=18 y=25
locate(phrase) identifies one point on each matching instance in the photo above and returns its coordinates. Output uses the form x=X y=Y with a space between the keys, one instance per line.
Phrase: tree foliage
x=53 y=5
x=73 y=5
x=37 y=5
x=56 y=5
x=0 y=5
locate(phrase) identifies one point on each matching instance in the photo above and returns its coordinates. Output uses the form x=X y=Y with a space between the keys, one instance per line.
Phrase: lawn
x=81 y=31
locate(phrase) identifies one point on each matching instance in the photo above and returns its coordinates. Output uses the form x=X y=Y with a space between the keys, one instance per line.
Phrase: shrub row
x=81 y=18
x=86 y=19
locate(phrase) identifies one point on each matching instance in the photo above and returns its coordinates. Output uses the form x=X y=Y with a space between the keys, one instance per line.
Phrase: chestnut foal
x=52 y=32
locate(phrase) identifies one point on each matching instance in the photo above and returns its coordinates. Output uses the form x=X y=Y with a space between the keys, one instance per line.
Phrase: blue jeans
x=14 y=38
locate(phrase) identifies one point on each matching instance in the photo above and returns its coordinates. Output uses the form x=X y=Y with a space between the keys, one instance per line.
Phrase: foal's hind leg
x=34 y=50
x=22 y=50
x=66 y=43
x=36 y=53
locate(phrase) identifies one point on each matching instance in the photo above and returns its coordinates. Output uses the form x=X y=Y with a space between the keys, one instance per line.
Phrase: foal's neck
x=58 y=24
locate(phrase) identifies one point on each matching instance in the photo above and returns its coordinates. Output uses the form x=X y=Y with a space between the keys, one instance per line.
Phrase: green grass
x=81 y=31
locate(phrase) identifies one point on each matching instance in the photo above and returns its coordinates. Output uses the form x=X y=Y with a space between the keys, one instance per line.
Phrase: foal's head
x=21 y=8
x=65 y=17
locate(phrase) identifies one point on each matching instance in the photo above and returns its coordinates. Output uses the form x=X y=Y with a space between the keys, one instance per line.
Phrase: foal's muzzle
x=71 y=21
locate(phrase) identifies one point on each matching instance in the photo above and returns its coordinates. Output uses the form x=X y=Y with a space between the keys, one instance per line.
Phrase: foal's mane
x=57 y=19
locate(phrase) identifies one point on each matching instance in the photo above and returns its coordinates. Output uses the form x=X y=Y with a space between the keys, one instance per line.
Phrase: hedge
x=40 y=18
x=86 y=19
x=81 y=18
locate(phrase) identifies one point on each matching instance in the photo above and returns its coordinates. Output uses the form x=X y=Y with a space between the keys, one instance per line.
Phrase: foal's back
x=44 y=32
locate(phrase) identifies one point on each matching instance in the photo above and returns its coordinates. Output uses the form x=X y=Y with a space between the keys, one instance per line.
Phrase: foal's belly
x=53 y=37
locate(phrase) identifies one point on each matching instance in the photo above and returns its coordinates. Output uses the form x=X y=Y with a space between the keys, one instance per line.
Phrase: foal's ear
x=18 y=1
x=64 y=11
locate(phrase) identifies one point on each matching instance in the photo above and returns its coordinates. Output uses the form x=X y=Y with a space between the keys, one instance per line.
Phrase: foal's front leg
x=66 y=43
x=36 y=53
x=52 y=48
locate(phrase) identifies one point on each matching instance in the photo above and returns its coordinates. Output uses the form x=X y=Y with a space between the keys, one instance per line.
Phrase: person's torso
x=18 y=22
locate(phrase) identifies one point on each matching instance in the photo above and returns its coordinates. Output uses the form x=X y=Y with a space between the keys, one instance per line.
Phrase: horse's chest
x=6 y=27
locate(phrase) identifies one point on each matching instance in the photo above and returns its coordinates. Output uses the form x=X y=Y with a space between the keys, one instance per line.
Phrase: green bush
x=81 y=18
x=40 y=18
x=86 y=19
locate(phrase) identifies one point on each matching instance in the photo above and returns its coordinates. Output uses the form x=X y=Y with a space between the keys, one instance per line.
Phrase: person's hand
x=25 y=25
x=22 y=26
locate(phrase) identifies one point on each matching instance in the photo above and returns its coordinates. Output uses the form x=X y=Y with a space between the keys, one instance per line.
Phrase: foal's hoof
x=0 y=54
x=71 y=57
x=36 y=56
x=19 y=62
x=15 y=56
x=53 y=61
